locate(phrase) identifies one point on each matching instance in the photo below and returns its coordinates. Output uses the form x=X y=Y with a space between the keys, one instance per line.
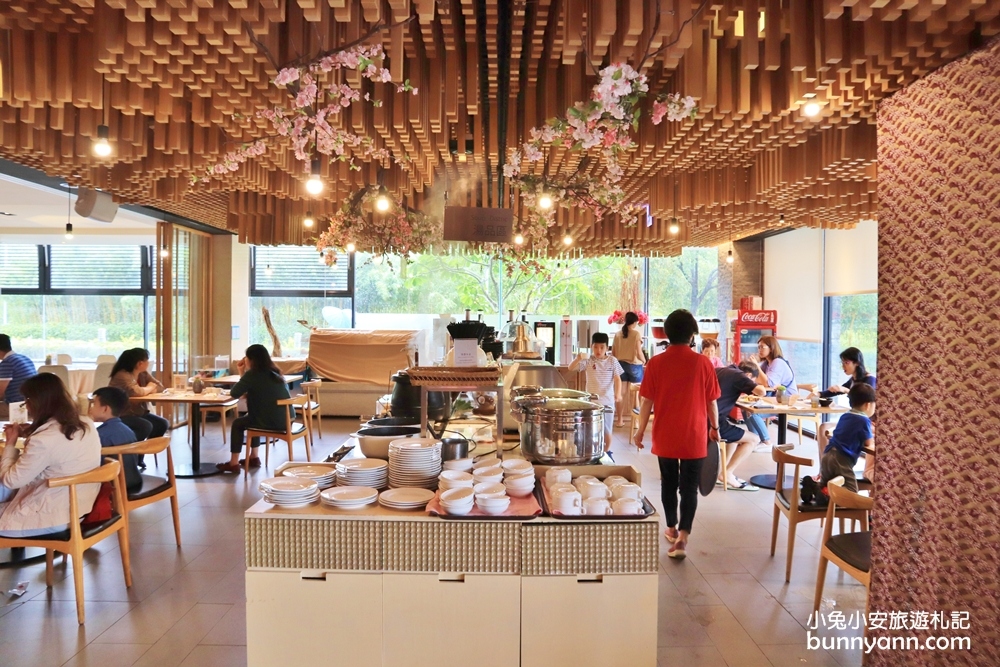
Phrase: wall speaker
x=95 y=205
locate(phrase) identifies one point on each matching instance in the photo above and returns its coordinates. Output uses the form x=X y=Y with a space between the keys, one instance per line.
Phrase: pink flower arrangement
x=618 y=317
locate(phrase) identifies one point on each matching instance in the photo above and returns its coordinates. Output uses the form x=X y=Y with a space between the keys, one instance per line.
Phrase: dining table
x=174 y=397
x=230 y=380
x=770 y=406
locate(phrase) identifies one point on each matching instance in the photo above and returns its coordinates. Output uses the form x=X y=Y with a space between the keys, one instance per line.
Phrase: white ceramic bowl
x=377 y=446
x=465 y=465
x=512 y=474
x=493 y=505
x=445 y=485
x=522 y=482
x=457 y=510
x=510 y=465
x=487 y=462
x=492 y=478
x=456 y=476
x=490 y=490
x=457 y=495
x=520 y=491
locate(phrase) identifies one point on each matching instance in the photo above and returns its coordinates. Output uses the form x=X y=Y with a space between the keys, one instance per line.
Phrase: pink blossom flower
x=659 y=111
x=286 y=76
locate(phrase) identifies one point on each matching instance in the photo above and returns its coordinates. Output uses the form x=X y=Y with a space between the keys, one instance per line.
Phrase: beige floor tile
x=690 y=583
x=731 y=640
x=229 y=589
x=216 y=656
x=689 y=656
x=41 y=632
x=107 y=655
x=763 y=617
x=680 y=626
x=172 y=648
x=794 y=655
x=231 y=630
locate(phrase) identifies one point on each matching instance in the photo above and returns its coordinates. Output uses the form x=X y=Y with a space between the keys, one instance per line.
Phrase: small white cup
x=584 y=479
x=614 y=480
x=596 y=507
x=560 y=488
x=627 y=506
x=565 y=501
x=627 y=490
x=558 y=476
x=594 y=489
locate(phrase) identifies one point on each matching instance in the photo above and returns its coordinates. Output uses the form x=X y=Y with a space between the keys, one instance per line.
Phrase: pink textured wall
x=937 y=518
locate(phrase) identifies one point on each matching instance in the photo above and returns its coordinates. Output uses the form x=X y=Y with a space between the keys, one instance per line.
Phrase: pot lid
x=561 y=405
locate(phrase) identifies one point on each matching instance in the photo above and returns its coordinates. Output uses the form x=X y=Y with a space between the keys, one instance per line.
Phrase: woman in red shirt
x=680 y=387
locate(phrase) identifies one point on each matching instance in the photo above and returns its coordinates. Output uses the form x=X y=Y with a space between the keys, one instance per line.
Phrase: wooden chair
x=153 y=488
x=222 y=409
x=800 y=420
x=788 y=502
x=851 y=552
x=293 y=431
x=78 y=538
x=313 y=409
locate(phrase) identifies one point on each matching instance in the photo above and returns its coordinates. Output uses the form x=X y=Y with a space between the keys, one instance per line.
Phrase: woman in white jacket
x=58 y=443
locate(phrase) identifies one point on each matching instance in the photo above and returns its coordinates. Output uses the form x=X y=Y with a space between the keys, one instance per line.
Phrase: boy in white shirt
x=603 y=379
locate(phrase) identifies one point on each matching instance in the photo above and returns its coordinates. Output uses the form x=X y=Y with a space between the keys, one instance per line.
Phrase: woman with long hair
x=627 y=349
x=264 y=386
x=775 y=369
x=131 y=374
x=853 y=363
x=58 y=443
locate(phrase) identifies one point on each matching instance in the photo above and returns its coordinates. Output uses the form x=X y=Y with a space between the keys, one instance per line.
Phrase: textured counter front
x=384 y=587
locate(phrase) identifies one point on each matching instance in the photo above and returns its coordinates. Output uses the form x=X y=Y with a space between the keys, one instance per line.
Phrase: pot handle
x=472 y=443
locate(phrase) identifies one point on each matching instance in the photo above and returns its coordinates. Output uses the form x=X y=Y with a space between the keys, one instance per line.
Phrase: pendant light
x=314 y=185
x=101 y=147
x=308 y=221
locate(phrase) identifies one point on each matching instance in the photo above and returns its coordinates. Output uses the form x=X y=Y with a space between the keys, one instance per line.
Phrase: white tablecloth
x=81 y=379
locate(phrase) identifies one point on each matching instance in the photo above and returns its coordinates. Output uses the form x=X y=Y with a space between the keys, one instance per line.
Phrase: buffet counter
x=376 y=586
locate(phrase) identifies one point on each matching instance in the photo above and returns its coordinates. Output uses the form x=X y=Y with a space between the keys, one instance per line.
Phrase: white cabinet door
x=292 y=620
x=586 y=621
x=448 y=620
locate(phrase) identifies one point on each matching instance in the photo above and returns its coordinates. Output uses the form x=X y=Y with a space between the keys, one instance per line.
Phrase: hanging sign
x=478 y=225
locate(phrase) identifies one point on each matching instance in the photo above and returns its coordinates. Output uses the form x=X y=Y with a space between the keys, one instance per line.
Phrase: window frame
x=333 y=294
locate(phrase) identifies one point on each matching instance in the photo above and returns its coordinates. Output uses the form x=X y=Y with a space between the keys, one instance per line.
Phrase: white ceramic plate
x=350 y=494
x=286 y=484
x=407 y=496
x=362 y=464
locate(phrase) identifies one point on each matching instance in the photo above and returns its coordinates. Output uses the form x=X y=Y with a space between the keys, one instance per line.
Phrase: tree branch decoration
x=371 y=220
x=319 y=94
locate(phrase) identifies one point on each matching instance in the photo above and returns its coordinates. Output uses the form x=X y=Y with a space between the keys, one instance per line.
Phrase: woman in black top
x=853 y=363
x=264 y=386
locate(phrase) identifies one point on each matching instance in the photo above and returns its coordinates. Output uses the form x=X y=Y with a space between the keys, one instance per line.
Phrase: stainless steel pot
x=560 y=431
x=552 y=392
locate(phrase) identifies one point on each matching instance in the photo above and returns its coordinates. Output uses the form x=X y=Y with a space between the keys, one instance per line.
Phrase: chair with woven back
x=293 y=431
x=75 y=540
x=153 y=488
x=851 y=552
x=787 y=501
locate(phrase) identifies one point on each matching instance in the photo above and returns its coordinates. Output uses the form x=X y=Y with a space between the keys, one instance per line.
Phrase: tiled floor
x=726 y=605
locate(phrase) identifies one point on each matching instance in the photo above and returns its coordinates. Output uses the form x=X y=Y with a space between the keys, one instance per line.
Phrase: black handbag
x=710 y=468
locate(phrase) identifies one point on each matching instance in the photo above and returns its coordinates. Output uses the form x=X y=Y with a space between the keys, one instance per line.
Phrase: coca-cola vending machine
x=744 y=328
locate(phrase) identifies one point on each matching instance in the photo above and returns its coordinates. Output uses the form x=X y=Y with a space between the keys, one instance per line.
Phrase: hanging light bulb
x=314 y=185
x=635 y=270
x=729 y=257
x=101 y=147
x=781 y=218
x=545 y=202
x=308 y=221
x=566 y=270
x=268 y=271
x=350 y=247
x=567 y=240
x=382 y=203
x=811 y=109
x=69 y=231
x=518 y=240
x=164 y=253
x=674 y=227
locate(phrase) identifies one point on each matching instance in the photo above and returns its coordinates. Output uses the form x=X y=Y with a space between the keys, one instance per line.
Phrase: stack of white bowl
x=519 y=478
x=457 y=501
x=454 y=479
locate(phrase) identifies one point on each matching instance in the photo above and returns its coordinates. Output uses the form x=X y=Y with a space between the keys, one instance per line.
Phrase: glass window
x=287 y=311
x=298 y=269
x=690 y=281
x=853 y=323
x=805 y=358
x=19 y=268
x=95 y=267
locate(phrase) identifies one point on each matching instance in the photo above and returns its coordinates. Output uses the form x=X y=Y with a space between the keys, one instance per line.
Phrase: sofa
x=356 y=366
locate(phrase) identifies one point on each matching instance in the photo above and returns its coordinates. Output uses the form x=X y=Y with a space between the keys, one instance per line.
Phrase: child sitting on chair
x=852 y=435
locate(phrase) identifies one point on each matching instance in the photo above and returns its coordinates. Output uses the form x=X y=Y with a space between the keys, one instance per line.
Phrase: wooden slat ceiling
x=179 y=81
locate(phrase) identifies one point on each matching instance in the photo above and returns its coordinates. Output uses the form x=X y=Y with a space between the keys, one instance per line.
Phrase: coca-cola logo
x=758 y=317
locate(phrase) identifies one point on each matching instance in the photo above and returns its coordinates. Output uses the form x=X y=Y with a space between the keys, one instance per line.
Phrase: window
x=80 y=300
x=690 y=281
x=296 y=285
x=853 y=322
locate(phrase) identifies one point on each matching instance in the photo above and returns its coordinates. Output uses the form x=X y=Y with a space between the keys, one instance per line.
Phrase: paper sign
x=466 y=352
x=478 y=225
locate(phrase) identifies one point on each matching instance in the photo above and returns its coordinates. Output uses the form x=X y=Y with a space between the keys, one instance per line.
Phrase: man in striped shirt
x=603 y=378
x=14 y=370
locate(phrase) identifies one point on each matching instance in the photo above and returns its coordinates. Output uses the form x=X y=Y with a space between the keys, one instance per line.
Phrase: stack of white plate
x=325 y=476
x=405 y=498
x=363 y=472
x=348 y=497
x=289 y=491
x=414 y=462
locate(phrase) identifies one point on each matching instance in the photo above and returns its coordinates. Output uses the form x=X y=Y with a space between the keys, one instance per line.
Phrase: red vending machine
x=744 y=328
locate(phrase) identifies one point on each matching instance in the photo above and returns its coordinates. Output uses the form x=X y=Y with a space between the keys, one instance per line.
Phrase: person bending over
x=734 y=381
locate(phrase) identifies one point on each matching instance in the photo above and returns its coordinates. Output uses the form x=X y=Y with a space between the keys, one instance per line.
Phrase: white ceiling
x=39 y=216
